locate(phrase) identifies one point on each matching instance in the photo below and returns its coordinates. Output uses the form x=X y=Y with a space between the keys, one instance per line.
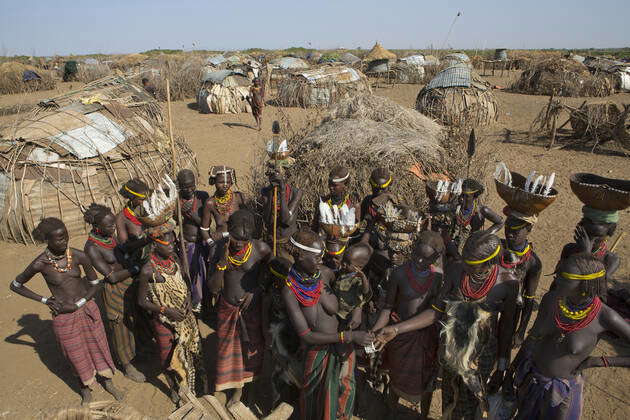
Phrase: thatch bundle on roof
x=562 y=77
x=457 y=96
x=379 y=53
x=363 y=133
x=224 y=92
x=79 y=148
x=321 y=87
x=17 y=78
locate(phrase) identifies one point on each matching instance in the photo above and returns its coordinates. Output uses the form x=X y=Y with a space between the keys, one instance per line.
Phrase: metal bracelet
x=44 y=300
x=225 y=234
x=16 y=284
x=97 y=281
x=80 y=302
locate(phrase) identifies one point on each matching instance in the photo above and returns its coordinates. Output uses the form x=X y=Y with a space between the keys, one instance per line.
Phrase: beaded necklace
x=224 y=204
x=577 y=318
x=193 y=206
x=52 y=259
x=164 y=266
x=345 y=200
x=463 y=217
x=525 y=255
x=246 y=252
x=601 y=251
x=131 y=216
x=488 y=284
x=428 y=276
x=307 y=289
x=102 y=241
x=287 y=196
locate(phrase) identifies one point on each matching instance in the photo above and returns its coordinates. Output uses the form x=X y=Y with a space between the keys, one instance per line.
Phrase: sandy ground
x=37 y=379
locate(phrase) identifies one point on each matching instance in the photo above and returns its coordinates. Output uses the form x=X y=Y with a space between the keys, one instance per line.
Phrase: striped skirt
x=329 y=385
x=81 y=336
x=240 y=344
x=119 y=300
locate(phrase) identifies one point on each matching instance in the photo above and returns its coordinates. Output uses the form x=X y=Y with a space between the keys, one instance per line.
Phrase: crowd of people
x=402 y=300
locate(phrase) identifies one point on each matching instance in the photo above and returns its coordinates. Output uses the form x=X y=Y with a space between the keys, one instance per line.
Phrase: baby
x=351 y=286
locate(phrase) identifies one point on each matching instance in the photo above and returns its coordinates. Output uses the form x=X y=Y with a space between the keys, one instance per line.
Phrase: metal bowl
x=601 y=193
x=522 y=201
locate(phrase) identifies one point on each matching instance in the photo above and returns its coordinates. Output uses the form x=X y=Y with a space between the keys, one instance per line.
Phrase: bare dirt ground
x=36 y=379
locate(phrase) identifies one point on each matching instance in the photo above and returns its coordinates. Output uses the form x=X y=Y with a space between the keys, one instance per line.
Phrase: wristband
x=204 y=229
x=225 y=234
x=80 y=302
x=502 y=365
x=209 y=241
x=221 y=267
x=97 y=281
x=44 y=300
x=341 y=337
x=16 y=284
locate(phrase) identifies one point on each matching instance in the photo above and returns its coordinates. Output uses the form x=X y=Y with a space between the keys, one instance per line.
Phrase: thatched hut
x=321 y=87
x=79 y=148
x=378 y=60
x=350 y=59
x=410 y=69
x=224 y=92
x=457 y=96
x=17 y=78
x=562 y=77
x=365 y=132
x=616 y=70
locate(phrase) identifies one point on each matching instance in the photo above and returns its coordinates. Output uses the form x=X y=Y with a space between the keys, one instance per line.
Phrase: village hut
x=91 y=69
x=457 y=96
x=562 y=77
x=129 y=61
x=224 y=92
x=17 y=78
x=616 y=70
x=182 y=72
x=378 y=60
x=362 y=133
x=349 y=59
x=321 y=87
x=501 y=54
x=289 y=63
x=79 y=148
x=457 y=58
x=410 y=69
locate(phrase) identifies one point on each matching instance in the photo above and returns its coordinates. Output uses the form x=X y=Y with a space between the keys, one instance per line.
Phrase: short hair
x=379 y=173
x=145 y=80
x=432 y=239
x=96 y=213
x=358 y=247
x=46 y=227
x=242 y=224
x=515 y=221
x=185 y=175
x=275 y=127
x=304 y=237
x=480 y=245
x=136 y=185
x=585 y=263
x=470 y=184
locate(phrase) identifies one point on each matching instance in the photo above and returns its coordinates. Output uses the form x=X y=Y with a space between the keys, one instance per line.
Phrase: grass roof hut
x=457 y=96
x=79 y=148
x=410 y=69
x=562 y=77
x=18 y=78
x=224 y=92
x=378 y=59
x=362 y=133
x=321 y=87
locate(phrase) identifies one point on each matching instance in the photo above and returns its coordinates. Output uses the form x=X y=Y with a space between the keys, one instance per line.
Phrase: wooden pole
x=274 y=147
x=614 y=245
x=182 y=249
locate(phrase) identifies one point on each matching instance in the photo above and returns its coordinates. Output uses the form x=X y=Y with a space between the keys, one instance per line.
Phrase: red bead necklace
x=420 y=288
x=601 y=251
x=131 y=216
x=568 y=327
x=306 y=294
x=488 y=284
x=102 y=241
x=524 y=258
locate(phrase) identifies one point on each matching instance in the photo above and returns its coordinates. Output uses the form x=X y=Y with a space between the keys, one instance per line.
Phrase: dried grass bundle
x=11 y=74
x=184 y=76
x=90 y=72
x=596 y=120
x=363 y=133
x=562 y=77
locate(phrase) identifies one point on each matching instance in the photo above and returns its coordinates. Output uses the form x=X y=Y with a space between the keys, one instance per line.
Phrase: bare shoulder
x=327 y=274
x=78 y=254
x=262 y=247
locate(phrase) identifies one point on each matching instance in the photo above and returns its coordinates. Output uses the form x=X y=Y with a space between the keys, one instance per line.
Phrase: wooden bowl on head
x=601 y=193
x=522 y=201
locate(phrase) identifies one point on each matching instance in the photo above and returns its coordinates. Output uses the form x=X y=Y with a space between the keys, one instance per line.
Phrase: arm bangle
x=209 y=241
x=44 y=300
x=205 y=229
x=16 y=284
x=436 y=308
x=221 y=267
x=528 y=297
x=225 y=234
x=97 y=281
x=80 y=302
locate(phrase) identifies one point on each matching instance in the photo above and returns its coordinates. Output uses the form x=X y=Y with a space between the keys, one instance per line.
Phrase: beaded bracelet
x=341 y=337
x=222 y=267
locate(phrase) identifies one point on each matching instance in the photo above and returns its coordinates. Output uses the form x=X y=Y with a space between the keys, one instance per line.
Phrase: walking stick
x=182 y=251
x=275 y=195
x=619 y=238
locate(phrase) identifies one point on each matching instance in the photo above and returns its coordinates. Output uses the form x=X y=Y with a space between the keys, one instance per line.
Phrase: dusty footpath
x=35 y=379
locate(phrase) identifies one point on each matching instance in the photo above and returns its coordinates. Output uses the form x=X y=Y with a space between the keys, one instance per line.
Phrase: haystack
x=457 y=96
x=79 y=148
x=596 y=120
x=224 y=92
x=17 y=78
x=562 y=77
x=89 y=72
x=363 y=133
x=321 y=87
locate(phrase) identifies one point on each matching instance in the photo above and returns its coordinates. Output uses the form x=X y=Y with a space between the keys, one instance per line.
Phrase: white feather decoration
x=549 y=184
x=536 y=183
x=528 y=181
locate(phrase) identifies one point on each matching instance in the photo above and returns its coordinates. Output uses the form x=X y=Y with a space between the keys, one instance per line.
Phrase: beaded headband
x=343 y=248
x=494 y=254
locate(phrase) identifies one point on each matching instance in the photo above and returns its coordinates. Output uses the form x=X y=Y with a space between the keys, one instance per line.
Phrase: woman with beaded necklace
x=76 y=321
x=163 y=292
x=328 y=387
x=238 y=275
x=220 y=206
x=571 y=318
x=478 y=296
x=127 y=224
x=118 y=295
